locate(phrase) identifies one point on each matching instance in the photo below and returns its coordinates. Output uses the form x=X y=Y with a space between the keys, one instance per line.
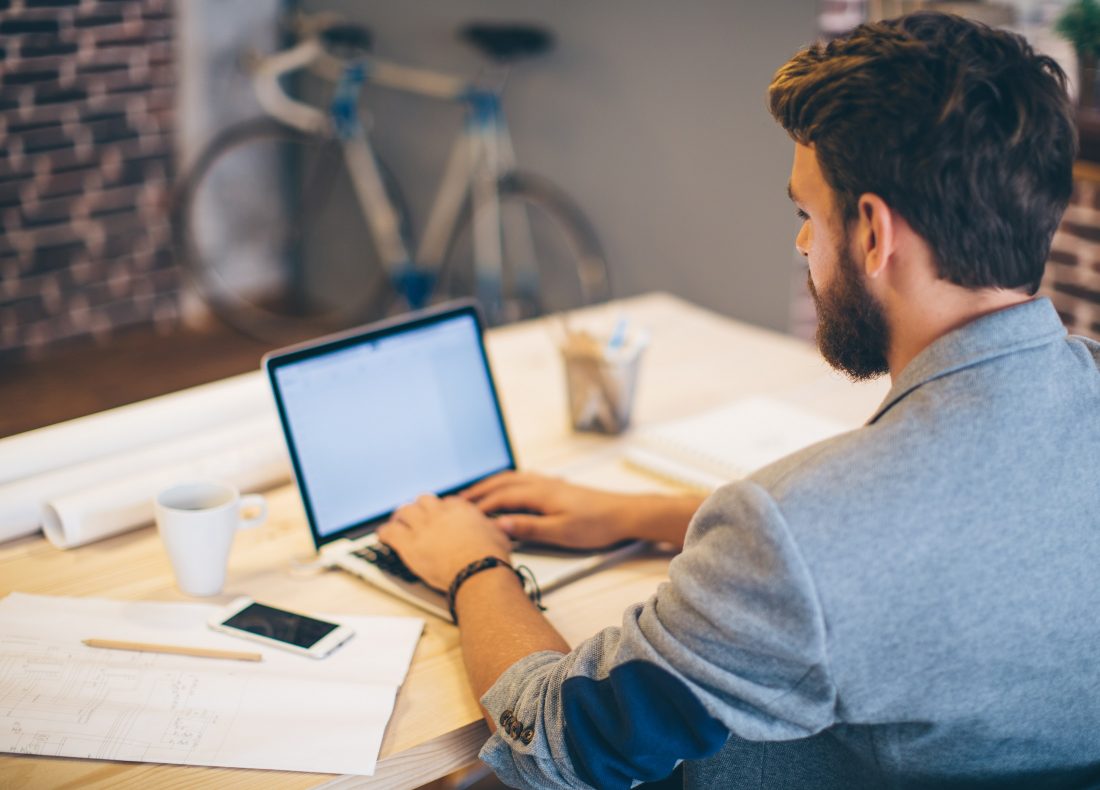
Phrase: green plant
x=1080 y=25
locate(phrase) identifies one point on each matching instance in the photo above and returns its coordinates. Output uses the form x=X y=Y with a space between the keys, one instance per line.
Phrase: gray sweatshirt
x=918 y=600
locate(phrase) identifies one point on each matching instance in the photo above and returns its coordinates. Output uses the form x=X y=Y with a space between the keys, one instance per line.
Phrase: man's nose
x=802 y=241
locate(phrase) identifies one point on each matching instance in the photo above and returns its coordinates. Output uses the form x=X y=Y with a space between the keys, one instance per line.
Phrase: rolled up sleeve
x=733 y=643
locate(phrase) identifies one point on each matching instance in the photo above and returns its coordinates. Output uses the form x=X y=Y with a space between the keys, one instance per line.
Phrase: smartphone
x=293 y=631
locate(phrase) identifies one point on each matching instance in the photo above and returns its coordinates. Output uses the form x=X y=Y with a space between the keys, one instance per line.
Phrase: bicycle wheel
x=552 y=258
x=272 y=237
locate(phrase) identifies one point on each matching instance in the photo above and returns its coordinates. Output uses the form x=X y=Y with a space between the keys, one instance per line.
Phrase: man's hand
x=565 y=514
x=560 y=513
x=436 y=538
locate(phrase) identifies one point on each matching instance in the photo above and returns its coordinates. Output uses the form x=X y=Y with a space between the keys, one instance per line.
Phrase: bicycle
x=510 y=238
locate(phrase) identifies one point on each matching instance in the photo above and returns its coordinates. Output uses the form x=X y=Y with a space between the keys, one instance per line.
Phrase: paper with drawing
x=288 y=712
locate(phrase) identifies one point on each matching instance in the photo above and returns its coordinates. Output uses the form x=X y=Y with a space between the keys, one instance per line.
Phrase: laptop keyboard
x=386 y=559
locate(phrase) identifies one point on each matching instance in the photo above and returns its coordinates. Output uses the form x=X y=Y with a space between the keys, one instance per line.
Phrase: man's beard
x=852 y=332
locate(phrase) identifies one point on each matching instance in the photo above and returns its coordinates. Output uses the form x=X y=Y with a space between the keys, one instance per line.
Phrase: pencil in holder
x=601 y=378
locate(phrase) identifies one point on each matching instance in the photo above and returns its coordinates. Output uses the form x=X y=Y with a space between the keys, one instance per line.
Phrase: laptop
x=378 y=415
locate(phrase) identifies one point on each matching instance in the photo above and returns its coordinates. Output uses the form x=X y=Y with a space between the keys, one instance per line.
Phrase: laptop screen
x=376 y=420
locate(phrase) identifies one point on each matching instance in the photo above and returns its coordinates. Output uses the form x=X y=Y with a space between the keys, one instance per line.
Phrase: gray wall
x=651 y=114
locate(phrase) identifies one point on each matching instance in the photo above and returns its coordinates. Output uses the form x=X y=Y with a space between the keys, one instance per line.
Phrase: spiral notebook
x=710 y=449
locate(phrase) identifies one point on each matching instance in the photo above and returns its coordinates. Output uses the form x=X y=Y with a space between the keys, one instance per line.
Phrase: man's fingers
x=523 y=497
x=500 y=481
x=428 y=502
x=456 y=506
x=537 y=529
x=405 y=513
x=489 y=484
x=392 y=532
x=416 y=511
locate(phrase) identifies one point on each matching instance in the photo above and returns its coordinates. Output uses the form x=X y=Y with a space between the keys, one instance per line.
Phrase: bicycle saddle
x=346 y=40
x=504 y=43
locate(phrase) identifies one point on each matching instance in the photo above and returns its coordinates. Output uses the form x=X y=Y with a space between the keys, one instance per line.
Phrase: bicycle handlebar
x=275 y=100
x=310 y=53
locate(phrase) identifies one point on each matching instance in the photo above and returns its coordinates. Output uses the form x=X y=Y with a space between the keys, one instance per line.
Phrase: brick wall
x=1072 y=279
x=87 y=90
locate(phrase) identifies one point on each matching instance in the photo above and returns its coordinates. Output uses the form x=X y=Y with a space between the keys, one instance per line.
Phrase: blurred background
x=649 y=117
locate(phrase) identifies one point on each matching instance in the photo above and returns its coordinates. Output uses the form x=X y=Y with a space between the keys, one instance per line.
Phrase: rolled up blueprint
x=60 y=459
x=140 y=424
x=100 y=511
x=22 y=501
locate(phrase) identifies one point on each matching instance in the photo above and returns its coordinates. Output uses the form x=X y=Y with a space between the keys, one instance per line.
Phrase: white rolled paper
x=73 y=466
x=22 y=501
x=137 y=425
x=101 y=511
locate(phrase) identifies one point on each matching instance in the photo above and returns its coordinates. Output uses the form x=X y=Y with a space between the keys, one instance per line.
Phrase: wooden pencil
x=177 y=650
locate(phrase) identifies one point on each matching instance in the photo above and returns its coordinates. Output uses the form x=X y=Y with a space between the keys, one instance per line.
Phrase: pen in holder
x=601 y=375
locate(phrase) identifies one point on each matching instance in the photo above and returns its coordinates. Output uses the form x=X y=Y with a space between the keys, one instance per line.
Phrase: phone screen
x=294 y=629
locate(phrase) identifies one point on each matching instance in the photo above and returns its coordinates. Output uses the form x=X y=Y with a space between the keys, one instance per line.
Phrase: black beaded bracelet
x=523 y=573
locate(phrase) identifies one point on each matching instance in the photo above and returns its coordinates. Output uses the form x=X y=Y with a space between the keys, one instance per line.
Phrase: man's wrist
x=499 y=578
x=465 y=559
x=660 y=517
x=528 y=585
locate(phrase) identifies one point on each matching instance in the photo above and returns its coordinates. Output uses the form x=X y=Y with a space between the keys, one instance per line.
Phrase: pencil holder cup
x=601 y=380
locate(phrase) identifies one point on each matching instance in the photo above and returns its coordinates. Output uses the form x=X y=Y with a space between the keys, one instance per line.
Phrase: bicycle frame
x=479 y=156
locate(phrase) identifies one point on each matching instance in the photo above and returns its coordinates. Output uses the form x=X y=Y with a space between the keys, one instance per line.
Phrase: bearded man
x=911 y=604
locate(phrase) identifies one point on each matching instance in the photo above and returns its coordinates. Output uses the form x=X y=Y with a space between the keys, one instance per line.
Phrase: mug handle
x=256 y=501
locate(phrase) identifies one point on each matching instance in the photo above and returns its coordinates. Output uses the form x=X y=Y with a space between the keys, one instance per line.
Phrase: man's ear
x=876 y=234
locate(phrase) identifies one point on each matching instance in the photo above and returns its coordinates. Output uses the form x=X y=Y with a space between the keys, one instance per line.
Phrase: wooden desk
x=697 y=360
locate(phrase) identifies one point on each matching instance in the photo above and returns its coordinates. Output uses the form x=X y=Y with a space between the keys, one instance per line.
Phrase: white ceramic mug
x=197 y=522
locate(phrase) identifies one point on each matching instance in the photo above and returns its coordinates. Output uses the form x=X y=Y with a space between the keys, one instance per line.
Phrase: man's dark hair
x=962 y=129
